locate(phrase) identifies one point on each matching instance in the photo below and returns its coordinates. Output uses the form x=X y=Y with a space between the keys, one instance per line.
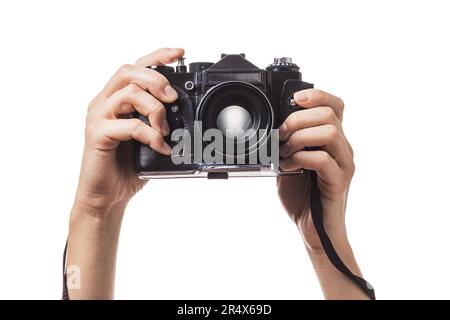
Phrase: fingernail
x=301 y=96
x=170 y=92
x=167 y=149
x=165 y=128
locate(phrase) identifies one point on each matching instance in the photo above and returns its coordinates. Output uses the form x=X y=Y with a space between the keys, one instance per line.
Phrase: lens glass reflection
x=234 y=121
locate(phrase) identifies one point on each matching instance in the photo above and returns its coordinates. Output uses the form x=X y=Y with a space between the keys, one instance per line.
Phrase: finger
x=317 y=160
x=308 y=118
x=133 y=98
x=310 y=98
x=114 y=131
x=145 y=78
x=160 y=57
x=328 y=136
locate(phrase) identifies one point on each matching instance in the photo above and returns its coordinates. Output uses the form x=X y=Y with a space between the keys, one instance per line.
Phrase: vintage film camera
x=239 y=100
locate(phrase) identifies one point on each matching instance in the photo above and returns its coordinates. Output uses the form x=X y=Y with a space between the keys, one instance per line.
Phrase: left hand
x=318 y=125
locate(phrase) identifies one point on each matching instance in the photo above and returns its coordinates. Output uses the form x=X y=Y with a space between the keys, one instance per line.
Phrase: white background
x=389 y=61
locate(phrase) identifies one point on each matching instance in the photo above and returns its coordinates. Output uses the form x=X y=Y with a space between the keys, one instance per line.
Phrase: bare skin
x=320 y=125
x=107 y=180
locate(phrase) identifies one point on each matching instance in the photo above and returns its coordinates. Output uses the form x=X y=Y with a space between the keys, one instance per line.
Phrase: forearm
x=334 y=284
x=92 y=248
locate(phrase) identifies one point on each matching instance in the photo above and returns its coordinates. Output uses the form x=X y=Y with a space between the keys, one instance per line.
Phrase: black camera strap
x=317 y=217
x=65 y=293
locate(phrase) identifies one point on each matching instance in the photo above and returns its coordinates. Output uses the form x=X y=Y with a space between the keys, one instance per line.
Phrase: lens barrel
x=237 y=107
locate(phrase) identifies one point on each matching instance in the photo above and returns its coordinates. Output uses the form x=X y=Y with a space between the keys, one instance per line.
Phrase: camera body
x=228 y=95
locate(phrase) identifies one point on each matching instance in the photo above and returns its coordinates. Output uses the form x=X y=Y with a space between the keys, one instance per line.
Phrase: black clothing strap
x=317 y=217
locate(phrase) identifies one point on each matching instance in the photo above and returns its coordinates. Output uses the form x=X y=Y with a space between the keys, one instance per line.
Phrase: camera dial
x=283 y=64
x=181 y=67
x=283 y=61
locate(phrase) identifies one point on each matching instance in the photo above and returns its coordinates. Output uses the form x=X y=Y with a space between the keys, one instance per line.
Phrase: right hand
x=107 y=177
x=318 y=125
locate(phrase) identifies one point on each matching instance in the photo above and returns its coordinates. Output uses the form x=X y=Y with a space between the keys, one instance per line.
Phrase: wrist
x=99 y=202
x=92 y=247
x=343 y=248
x=340 y=243
x=85 y=218
x=336 y=231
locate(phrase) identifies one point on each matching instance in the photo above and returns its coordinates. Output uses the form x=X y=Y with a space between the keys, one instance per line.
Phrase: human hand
x=318 y=125
x=107 y=177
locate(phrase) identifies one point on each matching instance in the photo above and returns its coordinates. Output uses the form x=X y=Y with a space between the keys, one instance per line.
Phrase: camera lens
x=240 y=110
x=234 y=121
